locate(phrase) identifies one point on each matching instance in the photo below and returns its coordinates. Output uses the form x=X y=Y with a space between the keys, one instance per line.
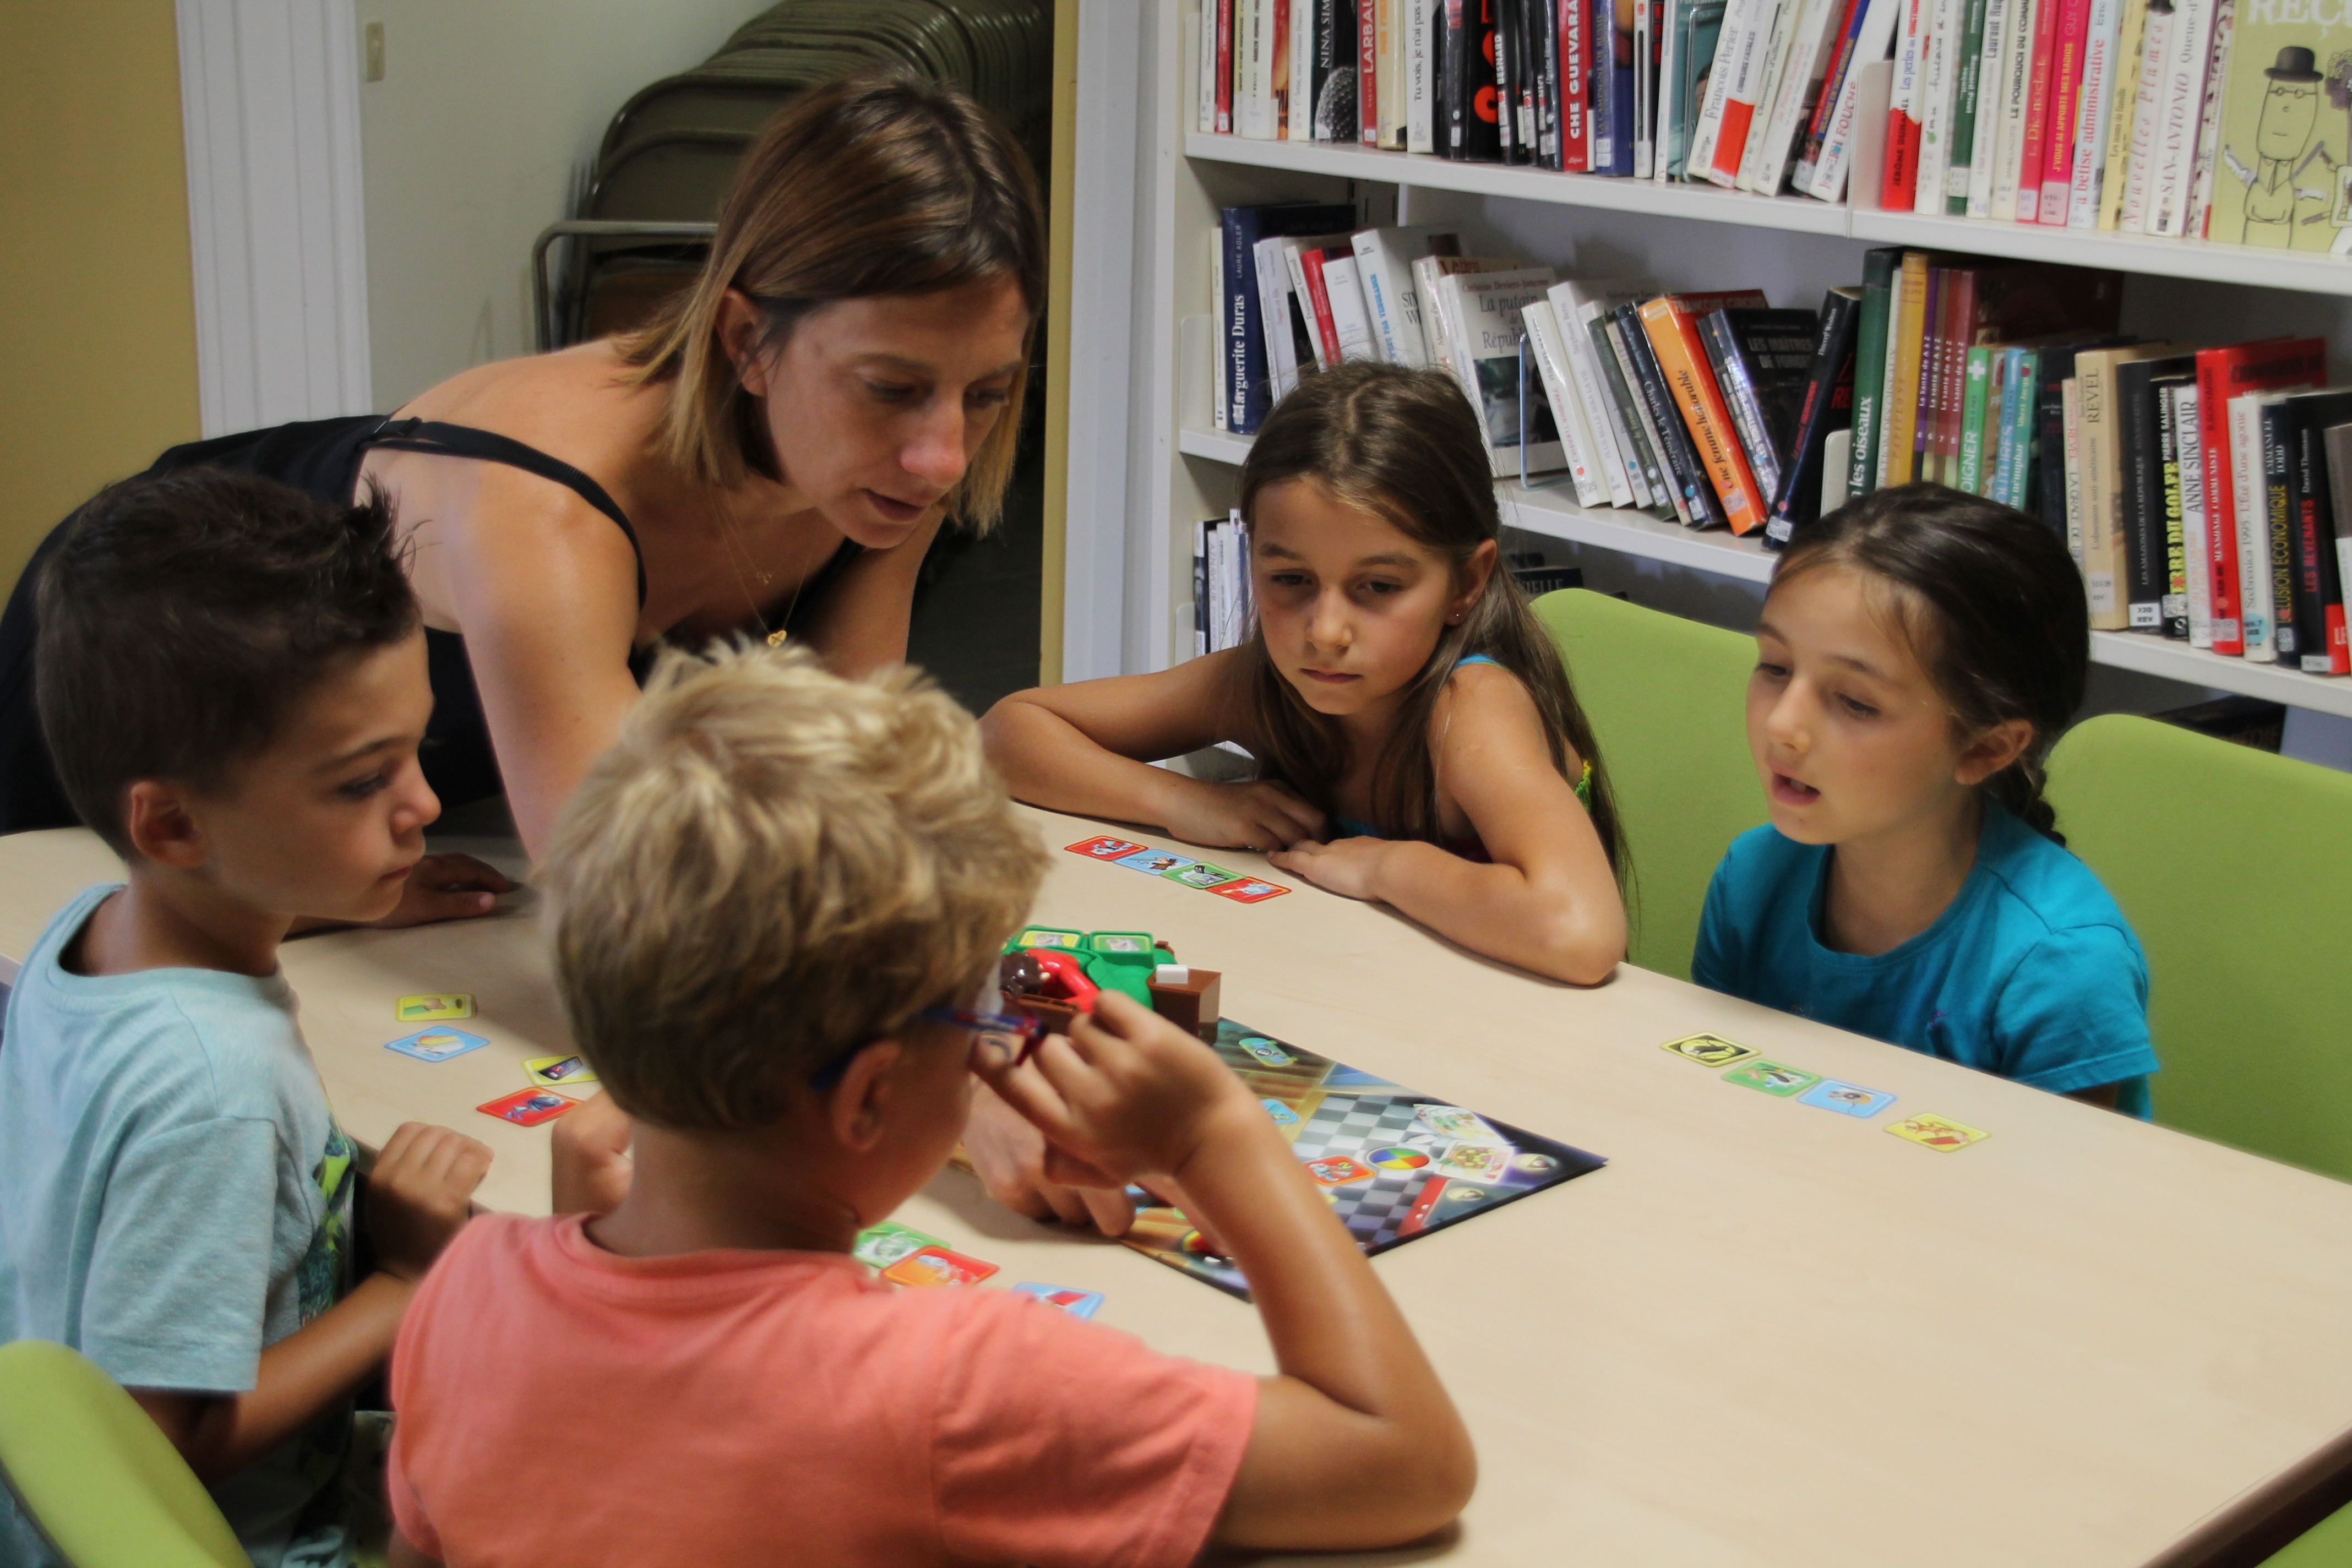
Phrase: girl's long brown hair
x=880 y=183
x=1404 y=445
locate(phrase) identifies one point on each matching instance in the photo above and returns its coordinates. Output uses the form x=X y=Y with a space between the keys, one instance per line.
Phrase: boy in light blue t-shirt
x=232 y=680
x=1918 y=652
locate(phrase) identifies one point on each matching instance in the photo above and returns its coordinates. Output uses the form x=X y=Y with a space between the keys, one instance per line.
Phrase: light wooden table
x=1764 y=1335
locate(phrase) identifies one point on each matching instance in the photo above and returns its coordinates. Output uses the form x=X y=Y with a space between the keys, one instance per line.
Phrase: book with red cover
x=1575 y=86
x=2066 y=101
x=1326 y=331
x=1671 y=322
x=1898 y=184
x=1368 y=58
x=1225 y=65
x=2037 y=111
x=2273 y=365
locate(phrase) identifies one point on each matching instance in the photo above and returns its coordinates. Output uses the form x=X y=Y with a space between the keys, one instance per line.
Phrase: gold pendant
x=776 y=639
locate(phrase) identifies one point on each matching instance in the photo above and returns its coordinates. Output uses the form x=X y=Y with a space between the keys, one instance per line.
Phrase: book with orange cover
x=1672 y=325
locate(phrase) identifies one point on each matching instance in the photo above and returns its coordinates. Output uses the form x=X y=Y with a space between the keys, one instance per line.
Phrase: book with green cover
x=1971 y=478
x=1966 y=117
x=1878 y=267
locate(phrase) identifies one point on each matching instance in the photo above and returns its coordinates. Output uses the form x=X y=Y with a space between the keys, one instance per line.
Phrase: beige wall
x=472 y=139
x=96 y=305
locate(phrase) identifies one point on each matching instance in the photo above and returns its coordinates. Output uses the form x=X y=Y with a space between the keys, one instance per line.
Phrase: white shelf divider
x=1554 y=513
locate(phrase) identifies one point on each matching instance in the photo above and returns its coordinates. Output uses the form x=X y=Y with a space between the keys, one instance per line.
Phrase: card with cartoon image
x=1710 y=1050
x=1846 y=1099
x=1155 y=862
x=1772 y=1077
x=1940 y=1132
x=1473 y=1162
x=1200 y=875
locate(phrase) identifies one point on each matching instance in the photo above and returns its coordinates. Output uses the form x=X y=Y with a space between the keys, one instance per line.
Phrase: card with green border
x=1199 y=875
x=1772 y=1077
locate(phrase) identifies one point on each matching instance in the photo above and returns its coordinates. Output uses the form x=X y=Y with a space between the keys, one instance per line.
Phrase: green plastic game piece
x=1772 y=1077
x=1121 y=960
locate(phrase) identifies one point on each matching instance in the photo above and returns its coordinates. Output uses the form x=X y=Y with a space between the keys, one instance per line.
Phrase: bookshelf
x=1160 y=211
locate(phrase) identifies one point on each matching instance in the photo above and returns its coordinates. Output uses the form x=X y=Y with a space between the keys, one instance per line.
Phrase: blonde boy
x=774 y=901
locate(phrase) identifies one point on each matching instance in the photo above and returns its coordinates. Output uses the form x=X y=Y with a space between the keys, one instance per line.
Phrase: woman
x=774 y=454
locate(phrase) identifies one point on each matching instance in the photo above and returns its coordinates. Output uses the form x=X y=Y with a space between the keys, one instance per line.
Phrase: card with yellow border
x=1710 y=1050
x=1937 y=1131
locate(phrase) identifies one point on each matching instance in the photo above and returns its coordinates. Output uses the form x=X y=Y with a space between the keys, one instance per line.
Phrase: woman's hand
x=1262 y=815
x=1009 y=1156
x=447 y=887
x=1348 y=867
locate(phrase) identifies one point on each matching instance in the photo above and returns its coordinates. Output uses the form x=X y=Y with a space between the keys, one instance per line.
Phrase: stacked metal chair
x=644 y=217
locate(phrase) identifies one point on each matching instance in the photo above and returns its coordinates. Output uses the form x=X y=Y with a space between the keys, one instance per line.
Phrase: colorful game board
x=1391 y=1161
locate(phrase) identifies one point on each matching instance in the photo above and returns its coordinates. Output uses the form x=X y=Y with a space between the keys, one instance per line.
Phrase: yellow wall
x=96 y=310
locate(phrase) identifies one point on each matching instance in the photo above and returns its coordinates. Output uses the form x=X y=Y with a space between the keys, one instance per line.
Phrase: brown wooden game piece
x=1192 y=1004
x=1055 y=1015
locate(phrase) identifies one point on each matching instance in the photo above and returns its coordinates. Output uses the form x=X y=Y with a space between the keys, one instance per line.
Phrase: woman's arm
x=1087 y=748
x=1548 y=902
x=862 y=625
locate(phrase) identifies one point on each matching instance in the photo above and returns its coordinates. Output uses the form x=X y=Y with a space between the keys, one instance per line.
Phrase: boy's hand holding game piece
x=1008 y=1155
x=420 y=1194
x=590 y=1157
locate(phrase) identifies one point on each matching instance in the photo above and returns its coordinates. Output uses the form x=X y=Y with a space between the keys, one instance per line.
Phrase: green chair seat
x=2234 y=866
x=99 y=1478
x=2327 y=1544
x=1668 y=701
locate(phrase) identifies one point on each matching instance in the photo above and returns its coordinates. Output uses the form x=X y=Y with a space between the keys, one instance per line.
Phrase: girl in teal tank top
x=1394 y=675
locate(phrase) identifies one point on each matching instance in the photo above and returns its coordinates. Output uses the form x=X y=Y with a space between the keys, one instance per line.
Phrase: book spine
x=1367 y=72
x=2142 y=498
x=2015 y=395
x=2208 y=123
x=2221 y=504
x=2089 y=162
x=1835 y=73
x=2025 y=426
x=1747 y=84
x=1377 y=278
x=2183 y=115
x=1908 y=350
x=1343 y=292
x=2196 y=515
x=1899 y=181
x=2318 y=596
x=2101 y=506
x=1575 y=80
x=2278 y=468
x=1936 y=104
x=2066 y=101
x=1329 y=350
x=1977 y=379
x=1963 y=69
x=1734 y=380
x=1298 y=100
x=1568 y=411
x=1245 y=348
x=2040 y=93
x=1643 y=440
x=1200 y=589
x=2131 y=39
x=2016 y=90
x=1224 y=66
x=1686 y=486
x=1419 y=76
x=1974 y=126
x=1510 y=84
x=1545 y=40
x=1605 y=150
x=1774 y=68
x=2257 y=612
x=2147 y=114
x=1707 y=129
x=2069 y=472
x=2172 y=527
x=1681 y=361
x=2042 y=452
x=1828 y=409
x=1617 y=401
x=1220 y=392
x=1274 y=319
x=1389 y=56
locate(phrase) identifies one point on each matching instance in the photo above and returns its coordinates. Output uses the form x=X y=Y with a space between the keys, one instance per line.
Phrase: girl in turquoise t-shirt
x=1416 y=738
x=1918 y=654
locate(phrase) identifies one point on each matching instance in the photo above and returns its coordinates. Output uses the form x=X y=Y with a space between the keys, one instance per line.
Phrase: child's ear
x=741 y=328
x=857 y=1107
x=1992 y=750
x=1475 y=574
x=156 y=819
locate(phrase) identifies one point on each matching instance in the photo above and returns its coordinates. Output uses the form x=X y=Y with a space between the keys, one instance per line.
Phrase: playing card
x=1264 y=1050
x=1154 y=862
x=433 y=1009
x=1846 y=1099
x=1937 y=1131
x=1201 y=875
x=527 y=1106
x=1475 y=1162
x=1283 y=1115
x=1708 y=1050
x=1047 y=937
x=1772 y=1077
x=1120 y=942
x=437 y=1045
x=880 y=1246
x=1105 y=849
x=559 y=1072
x=1453 y=1121
x=1249 y=891
x=1078 y=1303
x=938 y=1266
x=1338 y=1170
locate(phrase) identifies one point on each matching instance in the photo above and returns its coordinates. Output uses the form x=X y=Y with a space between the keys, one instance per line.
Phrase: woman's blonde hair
x=880 y=183
x=773 y=865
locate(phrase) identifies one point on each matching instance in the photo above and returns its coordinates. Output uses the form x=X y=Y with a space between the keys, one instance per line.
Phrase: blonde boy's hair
x=772 y=867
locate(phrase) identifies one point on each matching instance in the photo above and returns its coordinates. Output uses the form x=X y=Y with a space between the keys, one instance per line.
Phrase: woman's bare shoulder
x=580 y=405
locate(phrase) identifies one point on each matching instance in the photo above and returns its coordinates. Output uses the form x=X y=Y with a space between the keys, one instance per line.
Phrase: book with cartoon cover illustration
x=1395 y=1165
x=2286 y=130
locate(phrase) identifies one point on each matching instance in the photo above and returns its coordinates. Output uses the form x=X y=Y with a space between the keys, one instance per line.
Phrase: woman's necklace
x=738 y=558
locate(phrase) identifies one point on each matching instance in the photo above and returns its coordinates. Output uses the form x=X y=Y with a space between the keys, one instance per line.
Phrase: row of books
x=1221 y=583
x=2167 y=118
x=2155 y=117
x=1622 y=87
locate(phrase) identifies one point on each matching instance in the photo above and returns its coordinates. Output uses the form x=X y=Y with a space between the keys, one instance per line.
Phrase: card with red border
x=1249 y=891
x=527 y=1106
x=1338 y=1170
x=1104 y=848
x=938 y=1266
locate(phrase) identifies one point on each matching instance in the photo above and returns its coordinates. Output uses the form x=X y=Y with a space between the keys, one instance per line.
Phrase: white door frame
x=277 y=225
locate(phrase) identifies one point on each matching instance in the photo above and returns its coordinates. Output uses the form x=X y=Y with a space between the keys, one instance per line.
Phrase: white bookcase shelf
x=1554 y=513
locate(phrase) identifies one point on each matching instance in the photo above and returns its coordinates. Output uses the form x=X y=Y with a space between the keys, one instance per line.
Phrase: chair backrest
x=1667 y=698
x=2234 y=866
x=99 y=1478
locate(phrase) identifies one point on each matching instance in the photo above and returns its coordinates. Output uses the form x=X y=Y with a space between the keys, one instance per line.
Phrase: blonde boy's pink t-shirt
x=561 y=1405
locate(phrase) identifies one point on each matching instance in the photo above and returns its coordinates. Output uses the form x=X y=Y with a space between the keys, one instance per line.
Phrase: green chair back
x=2327 y=1544
x=1667 y=698
x=99 y=1478
x=2234 y=866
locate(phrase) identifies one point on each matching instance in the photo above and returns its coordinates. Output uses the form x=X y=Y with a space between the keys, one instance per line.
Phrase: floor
x=976 y=608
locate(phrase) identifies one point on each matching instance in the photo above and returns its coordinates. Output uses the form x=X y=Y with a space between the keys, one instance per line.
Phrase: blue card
x=1846 y=1099
x=437 y=1045
x=1078 y=1303
x=1283 y=1115
x=1154 y=862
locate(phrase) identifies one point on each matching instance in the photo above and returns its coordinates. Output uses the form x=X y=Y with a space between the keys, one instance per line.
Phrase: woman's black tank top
x=323 y=457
